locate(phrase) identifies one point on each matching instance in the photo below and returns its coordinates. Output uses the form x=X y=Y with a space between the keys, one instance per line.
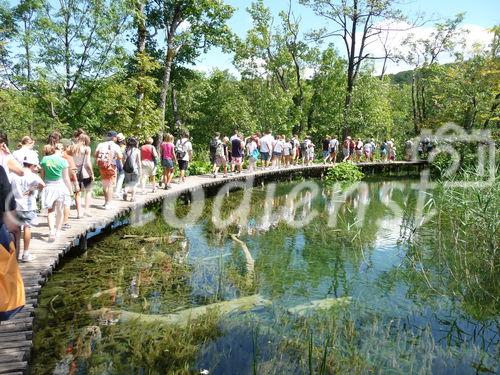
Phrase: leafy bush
x=344 y=172
x=197 y=167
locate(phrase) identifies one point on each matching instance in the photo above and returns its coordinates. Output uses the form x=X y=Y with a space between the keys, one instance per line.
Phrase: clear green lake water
x=399 y=307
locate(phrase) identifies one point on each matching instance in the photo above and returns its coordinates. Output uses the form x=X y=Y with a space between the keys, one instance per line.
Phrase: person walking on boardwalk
x=84 y=171
x=334 y=148
x=25 y=190
x=220 y=155
x=168 y=159
x=149 y=156
x=25 y=151
x=237 y=147
x=132 y=166
x=212 y=147
x=277 y=152
x=287 y=151
x=383 y=151
x=106 y=154
x=12 y=296
x=252 y=152
x=7 y=161
x=120 y=173
x=266 y=146
x=325 y=145
x=345 y=149
x=75 y=186
x=57 y=192
x=184 y=154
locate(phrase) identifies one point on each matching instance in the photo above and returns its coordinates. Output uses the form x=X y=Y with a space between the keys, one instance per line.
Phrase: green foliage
x=199 y=167
x=343 y=172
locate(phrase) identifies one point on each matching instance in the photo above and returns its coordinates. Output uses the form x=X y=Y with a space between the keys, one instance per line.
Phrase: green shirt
x=53 y=166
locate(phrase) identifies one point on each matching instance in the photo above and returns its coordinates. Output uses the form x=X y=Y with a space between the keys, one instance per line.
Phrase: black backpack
x=128 y=167
x=214 y=143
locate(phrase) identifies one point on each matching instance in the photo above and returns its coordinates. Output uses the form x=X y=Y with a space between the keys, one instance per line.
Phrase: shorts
x=236 y=160
x=85 y=183
x=326 y=154
x=131 y=179
x=27 y=218
x=108 y=176
x=277 y=154
x=183 y=165
x=148 y=168
x=220 y=161
x=264 y=156
x=167 y=163
x=345 y=152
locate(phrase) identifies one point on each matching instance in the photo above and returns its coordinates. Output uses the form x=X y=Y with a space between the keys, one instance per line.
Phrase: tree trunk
x=141 y=44
x=167 y=69
x=67 y=55
x=175 y=109
x=350 y=71
x=414 y=103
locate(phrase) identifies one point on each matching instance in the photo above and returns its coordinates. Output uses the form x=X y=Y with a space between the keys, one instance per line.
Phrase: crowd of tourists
x=64 y=176
x=227 y=154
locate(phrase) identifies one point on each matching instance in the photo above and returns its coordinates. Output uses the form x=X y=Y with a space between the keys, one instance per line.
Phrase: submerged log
x=182 y=318
x=250 y=263
x=321 y=304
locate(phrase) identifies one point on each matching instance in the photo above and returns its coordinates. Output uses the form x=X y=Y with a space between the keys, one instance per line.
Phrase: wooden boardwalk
x=16 y=335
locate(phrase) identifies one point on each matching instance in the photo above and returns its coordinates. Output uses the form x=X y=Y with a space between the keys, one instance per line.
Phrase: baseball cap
x=111 y=134
x=120 y=137
x=31 y=158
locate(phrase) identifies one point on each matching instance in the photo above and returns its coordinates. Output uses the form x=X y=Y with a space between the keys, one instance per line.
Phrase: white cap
x=31 y=158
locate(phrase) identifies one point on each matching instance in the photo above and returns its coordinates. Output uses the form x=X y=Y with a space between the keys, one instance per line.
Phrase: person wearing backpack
x=214 y=143
x=221 y=155
x=334 y=147
x=168 y=159
x=132 y=167
x=106 y=154
x=184 y=154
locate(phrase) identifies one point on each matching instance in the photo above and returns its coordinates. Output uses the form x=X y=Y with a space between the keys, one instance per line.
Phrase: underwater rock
x=321 y=304
x=182 y=318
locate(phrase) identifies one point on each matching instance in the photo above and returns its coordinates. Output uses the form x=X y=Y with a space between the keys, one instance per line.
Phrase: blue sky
x=481 y=13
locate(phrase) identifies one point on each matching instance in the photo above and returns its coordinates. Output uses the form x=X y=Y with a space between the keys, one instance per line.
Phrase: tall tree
x=279 y=55
x=357 y=23
x=189 y=28
x=423 y=54
x=79 y=41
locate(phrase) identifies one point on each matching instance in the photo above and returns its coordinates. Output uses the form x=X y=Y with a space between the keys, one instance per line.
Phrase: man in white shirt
x=184 y=153
x=106 y=154
x=266 y=146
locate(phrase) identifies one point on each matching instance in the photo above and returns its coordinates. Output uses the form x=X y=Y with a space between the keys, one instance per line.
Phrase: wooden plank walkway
x=16 y=335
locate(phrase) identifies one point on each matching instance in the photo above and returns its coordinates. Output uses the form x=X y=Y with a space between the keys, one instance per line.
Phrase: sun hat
x=120 y=137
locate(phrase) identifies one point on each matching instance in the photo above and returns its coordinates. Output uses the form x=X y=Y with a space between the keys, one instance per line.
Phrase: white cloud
x=474 y=35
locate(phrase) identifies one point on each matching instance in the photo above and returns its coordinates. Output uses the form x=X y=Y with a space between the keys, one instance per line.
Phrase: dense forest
x=128 y=65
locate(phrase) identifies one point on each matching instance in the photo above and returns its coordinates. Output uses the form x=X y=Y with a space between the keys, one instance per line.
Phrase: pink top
x=167 y=150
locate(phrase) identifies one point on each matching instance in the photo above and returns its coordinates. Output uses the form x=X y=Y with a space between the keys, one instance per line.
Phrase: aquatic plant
x=343 y=172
